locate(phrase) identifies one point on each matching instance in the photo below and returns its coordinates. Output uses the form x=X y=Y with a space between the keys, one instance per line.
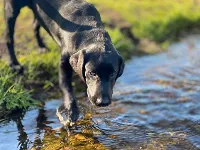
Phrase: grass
x=13 y=95
x=123 y=44
x=157 y=20
x=41 y=73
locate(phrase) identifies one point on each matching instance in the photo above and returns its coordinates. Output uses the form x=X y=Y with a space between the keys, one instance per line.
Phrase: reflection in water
x=156 y=106
x=22 y=138
x=22 y=135
x=41 y=125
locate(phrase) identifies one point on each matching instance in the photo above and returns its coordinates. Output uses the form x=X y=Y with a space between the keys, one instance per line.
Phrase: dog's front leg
x=69 y=106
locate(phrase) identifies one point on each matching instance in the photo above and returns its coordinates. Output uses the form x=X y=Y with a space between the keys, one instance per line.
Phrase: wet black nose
x=102 y=102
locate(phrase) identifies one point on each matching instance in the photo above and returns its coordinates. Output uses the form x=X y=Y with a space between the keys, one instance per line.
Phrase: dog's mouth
x=103 y=104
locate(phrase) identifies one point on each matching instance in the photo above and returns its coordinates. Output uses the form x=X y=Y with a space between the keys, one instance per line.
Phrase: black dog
x=85 y=47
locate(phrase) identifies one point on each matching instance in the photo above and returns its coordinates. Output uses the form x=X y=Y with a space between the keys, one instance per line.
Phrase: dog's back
x=76 y=12
x=66 y=16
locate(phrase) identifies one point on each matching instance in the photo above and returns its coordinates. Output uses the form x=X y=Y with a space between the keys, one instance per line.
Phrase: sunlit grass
x=123 y=44
x=156 y=20
x=15 y=91
x=13 y=95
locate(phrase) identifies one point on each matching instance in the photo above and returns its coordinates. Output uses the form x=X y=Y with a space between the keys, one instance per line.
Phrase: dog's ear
x=121 y=66
x=77 y=62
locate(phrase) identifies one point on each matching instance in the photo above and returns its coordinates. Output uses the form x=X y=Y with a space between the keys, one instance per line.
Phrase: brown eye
x=92 y=74
x=113 y=74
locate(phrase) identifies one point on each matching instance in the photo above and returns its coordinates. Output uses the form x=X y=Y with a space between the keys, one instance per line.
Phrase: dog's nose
x=102 y=102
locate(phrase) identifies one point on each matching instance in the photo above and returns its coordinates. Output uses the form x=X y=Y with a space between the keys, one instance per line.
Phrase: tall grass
x=156 y=20
x=13 y=95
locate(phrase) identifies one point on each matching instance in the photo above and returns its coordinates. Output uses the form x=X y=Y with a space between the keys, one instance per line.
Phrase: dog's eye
x=113 y=74
x=91 y=73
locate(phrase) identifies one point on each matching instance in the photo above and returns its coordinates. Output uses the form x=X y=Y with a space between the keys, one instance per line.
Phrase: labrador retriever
x=85 y=46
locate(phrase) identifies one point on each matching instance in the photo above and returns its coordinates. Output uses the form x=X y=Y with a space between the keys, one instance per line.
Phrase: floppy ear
x=77 y=61
x=121 y=67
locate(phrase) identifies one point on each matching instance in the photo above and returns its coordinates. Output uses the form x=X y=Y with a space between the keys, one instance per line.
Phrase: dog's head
x=99 y=70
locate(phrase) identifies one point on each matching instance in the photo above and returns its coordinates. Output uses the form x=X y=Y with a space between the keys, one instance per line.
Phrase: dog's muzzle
x=102 y=102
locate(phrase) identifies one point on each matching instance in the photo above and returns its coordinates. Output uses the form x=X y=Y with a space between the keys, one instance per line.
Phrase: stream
x=156 y=106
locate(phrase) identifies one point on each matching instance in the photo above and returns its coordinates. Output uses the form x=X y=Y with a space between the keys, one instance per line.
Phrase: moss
x=84 y=138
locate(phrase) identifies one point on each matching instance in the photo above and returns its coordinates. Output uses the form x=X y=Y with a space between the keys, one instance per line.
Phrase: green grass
x=41 y=66
x=156 y=20
x=41 y=74
x=123 y=44
x=13 y=95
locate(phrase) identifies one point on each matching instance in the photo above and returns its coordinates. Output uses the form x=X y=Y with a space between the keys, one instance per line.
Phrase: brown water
x=156 y=107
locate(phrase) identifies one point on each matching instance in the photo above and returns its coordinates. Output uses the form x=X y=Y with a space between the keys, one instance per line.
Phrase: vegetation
x=156 y=20
x=17 y=92
x=13 y=95
x=84 y=138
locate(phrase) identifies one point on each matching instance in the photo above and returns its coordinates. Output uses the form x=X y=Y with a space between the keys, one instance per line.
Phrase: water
x=156 y=107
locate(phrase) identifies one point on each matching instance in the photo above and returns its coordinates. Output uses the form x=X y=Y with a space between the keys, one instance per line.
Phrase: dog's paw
x=73 y=112
x=66 y=116
x=18 y=69
x=62 y=120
